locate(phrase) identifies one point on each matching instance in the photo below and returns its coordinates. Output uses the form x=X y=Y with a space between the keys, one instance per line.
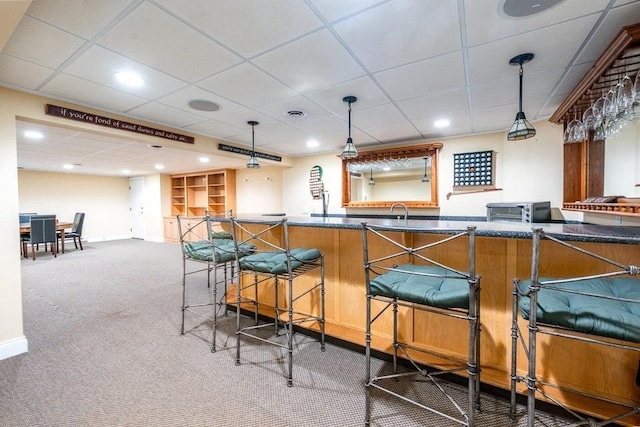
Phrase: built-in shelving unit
x=193 y=195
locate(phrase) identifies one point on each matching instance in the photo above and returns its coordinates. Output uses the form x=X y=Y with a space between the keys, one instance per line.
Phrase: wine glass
x=575 y=131
x=625 y=95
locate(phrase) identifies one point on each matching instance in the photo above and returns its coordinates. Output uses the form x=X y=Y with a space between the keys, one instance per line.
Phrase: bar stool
x=274 y=264
x=213 y=252
x=592 y=308
x=400 y=275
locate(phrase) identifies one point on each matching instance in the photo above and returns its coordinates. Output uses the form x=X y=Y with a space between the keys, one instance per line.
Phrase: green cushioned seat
x=221 y=235
x=449 y=291
x=224 y=250
x=276 y=262
x=589 y=314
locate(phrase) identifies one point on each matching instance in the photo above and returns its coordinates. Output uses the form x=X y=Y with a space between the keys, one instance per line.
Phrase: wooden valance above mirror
x=380 y=178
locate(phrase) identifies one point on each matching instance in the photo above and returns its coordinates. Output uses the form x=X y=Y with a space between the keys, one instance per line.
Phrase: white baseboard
x=13 y=347
x=106 y=238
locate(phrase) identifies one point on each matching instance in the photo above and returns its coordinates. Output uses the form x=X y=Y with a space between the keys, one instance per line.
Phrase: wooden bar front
x=588 y=367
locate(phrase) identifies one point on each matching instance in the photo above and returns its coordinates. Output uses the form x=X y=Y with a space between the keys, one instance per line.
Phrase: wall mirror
x=380 y=178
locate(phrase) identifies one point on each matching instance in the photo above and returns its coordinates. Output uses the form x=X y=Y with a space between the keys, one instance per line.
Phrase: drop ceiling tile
x=297 y=63
x=425 y=77
x=43 y=44
x=74 y=147
x=178 y=50
x=402 y=32
x=608 y=29
x=247 y=26
x=278 y=110
x=157 y=84
x=457 y=122
x=551 y=106
x=572 y=78
x=486 y=22
x=363 y=88
x=535 y=86
x=439 y=104
x=377 y=116
x=72 y=88
x=27 y=75
x=248 y=86
x=215 y=129
x=333 y=10
x=161 y=113
x=330 y=128
x=439 y=134
x=553 y=48
x=82 y=18
x=181 y=98
x=392 y=132
x=504 y=113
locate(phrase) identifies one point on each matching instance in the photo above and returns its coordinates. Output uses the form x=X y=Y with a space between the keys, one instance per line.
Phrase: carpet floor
x=105 y=349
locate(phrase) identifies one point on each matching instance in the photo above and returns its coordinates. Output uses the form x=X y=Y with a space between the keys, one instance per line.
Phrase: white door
x=136 y=196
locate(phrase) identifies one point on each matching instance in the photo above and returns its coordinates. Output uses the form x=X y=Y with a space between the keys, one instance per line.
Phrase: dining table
x=61 y=226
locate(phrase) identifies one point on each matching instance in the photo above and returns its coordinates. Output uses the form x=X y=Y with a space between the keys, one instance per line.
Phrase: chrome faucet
x=402 y=205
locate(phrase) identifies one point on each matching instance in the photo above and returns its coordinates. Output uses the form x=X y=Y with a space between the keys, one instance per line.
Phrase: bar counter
x=503 y=252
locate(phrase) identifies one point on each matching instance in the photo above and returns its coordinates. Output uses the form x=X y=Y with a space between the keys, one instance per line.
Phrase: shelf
x=195 y=194
x=624 y=209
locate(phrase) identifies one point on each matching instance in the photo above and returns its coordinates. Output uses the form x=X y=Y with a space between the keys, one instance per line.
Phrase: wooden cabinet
x=199 y=193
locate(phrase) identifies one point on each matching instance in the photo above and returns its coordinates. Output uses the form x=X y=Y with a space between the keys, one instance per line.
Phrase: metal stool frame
x=192 y=233
x=375 y=267
x=535 y=327
x=242 y=235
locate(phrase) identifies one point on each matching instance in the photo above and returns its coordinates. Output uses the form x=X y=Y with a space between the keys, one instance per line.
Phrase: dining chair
x=43 y=230
x=76 y=231
x=25 y=218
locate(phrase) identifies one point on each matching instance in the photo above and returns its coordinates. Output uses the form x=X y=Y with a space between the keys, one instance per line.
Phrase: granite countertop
x=567 y=232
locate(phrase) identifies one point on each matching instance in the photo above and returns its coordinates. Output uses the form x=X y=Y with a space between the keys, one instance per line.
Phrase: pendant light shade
x=253 y=162
x=521 y=128
x=426 y=177
x=350 y=151
x=371 y=181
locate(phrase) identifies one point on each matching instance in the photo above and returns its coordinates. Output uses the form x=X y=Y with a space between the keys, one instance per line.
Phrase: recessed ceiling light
x=67 y=166
x=129 y=79
x=203 y=105
x=159 y=167
x=312 y=143
x=441 y=123
x=33 y=134
x=126 y=171
x=204 y=159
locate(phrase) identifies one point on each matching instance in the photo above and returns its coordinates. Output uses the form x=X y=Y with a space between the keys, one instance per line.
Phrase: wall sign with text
x=81 y=116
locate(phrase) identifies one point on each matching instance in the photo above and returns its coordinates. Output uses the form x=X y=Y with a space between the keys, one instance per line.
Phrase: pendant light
x=350 y=151
x=253 y=162
x=426 y=178
x=521 y=128
x=371 y=181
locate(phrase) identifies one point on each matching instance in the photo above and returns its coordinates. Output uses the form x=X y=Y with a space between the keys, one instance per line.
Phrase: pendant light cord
x=520 y=99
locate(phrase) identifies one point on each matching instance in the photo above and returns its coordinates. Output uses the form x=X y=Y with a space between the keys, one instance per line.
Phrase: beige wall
x=104 y=200
x=12 y=339
x=528 y=170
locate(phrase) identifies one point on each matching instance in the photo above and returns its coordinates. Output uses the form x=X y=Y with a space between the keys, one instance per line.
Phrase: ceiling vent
x=296 y=113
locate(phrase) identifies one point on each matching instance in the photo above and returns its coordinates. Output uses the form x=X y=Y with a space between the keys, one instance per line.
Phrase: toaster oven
x=526 y=212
